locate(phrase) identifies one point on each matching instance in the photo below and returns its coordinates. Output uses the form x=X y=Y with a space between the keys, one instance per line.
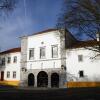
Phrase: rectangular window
x=9 y=60
x=15 y=59
x=31 y=53
x=42 y=52
x=3 y=61
x=81 y=73
x=14 y=74
x=8 y=74
x=54 y=51
x=80 y=58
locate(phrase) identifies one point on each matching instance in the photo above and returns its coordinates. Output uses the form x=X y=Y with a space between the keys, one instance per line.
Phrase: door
x=54 y=80
x=2 y=75
x=30 y=79
x=42 y=79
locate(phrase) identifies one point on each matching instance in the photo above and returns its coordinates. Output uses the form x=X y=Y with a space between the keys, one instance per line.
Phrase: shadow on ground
x=14 y=93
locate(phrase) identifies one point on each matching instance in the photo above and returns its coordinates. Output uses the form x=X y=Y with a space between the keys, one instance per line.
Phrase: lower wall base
x=67 y=84
x=82 y=84
x=11 y=83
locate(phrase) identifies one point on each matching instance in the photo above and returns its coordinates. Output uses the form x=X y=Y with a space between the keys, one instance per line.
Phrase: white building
x=10 y=66
x=51 y=59
x=41 y=60
x=83 y=63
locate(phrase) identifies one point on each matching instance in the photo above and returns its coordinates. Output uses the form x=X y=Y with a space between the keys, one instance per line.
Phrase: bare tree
x=7 y=5
x=82 y=16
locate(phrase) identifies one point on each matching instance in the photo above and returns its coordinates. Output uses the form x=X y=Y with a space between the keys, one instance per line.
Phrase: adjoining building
x=10 y=66
x=83 y=64
x=53 y=58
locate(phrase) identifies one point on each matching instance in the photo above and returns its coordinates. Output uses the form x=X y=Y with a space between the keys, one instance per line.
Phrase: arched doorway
x=42 y=79
x=54 y=80
x=30 y=79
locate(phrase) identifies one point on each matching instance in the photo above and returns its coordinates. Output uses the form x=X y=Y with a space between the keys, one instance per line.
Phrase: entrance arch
x=54 y=80
x=42 y=79
x=30 y=79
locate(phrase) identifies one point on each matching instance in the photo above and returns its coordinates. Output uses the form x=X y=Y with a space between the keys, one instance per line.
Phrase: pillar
x=35 y=80
x=49 y=80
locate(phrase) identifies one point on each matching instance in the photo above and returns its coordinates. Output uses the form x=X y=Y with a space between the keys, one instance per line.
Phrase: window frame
x=31 y=56
x=3 y=61
x=44 y=53
x=14 y=74
x=8 y=74
x=52 y=51
x=81 y=73
x=9 y=60
x=80 y=58
x=15 y=60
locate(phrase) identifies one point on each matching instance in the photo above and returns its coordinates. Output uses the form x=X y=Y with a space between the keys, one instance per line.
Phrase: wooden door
x=2 y=75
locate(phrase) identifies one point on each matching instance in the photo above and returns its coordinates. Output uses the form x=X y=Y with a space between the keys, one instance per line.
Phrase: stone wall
x=61 y=73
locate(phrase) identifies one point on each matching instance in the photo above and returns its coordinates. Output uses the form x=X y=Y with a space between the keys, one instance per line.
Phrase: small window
x=15 y=59
x=3 y=61
x=8 y=74
x=80 y=58
x=14 y=74
x=54 y=51
x=81 y=73
x=31 y=54
x=42 y=52
x=9 y=60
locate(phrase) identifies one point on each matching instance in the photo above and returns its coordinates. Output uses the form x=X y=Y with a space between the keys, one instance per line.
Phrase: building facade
x=42 y=60
x=83 y=65
x=10 y=66
x=51 y=58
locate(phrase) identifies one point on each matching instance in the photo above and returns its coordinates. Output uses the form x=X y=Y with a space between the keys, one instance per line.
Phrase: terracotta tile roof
x=89 y=43
x=48 y=30
x=11 y=51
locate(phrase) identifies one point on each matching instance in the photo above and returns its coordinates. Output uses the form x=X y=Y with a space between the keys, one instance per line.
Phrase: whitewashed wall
x=11 y=66
x=91 y=67
x=46 y=39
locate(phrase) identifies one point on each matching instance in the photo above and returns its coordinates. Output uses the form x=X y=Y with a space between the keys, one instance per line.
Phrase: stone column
x=35 y=80
x=23 y=81
x=49 y=80
x=62 y=79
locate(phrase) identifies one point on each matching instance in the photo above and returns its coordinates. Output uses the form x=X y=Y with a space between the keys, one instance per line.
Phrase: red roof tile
x=11 y=50
x=48 y=30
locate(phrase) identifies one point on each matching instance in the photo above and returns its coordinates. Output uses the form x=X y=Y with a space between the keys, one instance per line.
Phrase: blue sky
x=40 y=15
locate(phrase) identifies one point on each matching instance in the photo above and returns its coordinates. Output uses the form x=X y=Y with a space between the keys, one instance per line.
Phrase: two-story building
x=41 y=60
x=83 y=64
x=51 y=58
x=10 y=66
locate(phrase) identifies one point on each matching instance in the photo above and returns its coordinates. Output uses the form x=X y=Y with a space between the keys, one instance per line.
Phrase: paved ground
x=49 y=94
